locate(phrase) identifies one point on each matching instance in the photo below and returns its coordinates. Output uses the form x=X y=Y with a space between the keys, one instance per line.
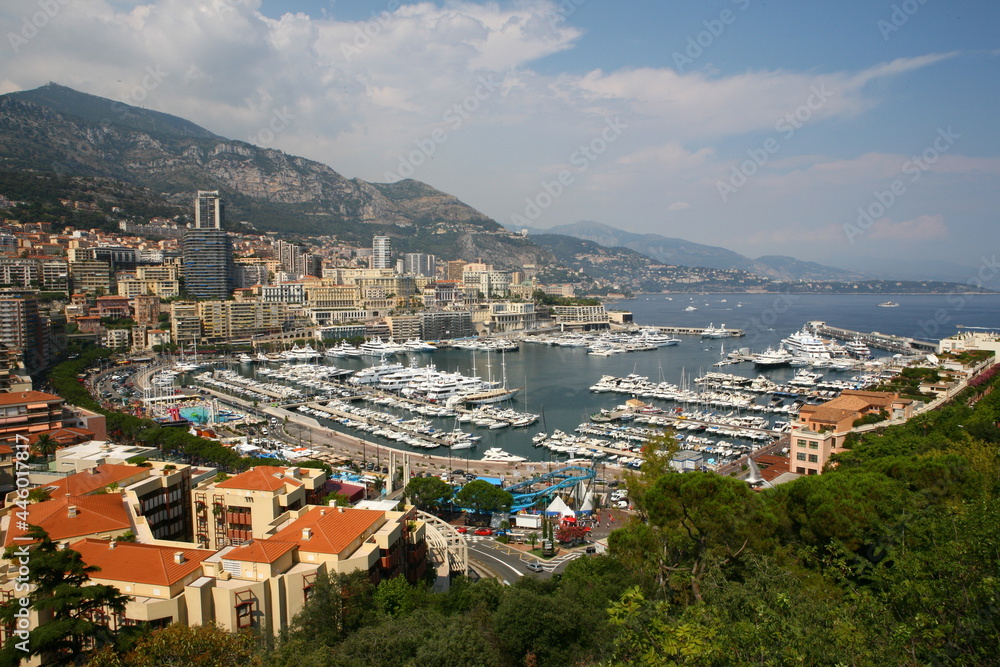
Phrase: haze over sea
x=556 y=380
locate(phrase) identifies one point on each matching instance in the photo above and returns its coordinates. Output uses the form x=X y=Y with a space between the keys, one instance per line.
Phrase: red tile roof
x=104 y=513
x=139 y=563
x=261 y=551
x=332 y=529
x=18 y=397
x=87 y=481
x=261 y=478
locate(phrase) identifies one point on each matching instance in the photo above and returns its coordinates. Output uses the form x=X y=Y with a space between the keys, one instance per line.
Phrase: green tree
x=428 y=492
x=39 y=494
x=63 y=593
x=180 y=645
x=46 y=445
x=480 y=496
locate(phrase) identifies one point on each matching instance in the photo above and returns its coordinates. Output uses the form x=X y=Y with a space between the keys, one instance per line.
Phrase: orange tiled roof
x=104 y=513
x=18 y=397
x=261 y=551
x=139 y=563
x=332 y=530
x=261 y=478
x=87 y=481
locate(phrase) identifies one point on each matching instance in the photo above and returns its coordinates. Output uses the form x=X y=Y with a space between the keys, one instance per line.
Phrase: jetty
x=881 y=341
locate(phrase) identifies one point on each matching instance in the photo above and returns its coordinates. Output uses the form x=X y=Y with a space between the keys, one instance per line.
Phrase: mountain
x=58 y=129
x=678 y=251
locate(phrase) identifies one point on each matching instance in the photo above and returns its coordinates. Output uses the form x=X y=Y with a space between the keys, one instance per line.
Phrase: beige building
x=581 y=317
x=822 y=429
x=226 y=320
x=245 y=506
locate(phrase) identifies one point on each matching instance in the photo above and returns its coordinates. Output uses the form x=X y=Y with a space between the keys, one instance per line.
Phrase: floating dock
x=696 y=331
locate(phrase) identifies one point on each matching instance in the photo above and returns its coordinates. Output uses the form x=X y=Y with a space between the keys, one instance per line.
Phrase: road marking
x=507 y=565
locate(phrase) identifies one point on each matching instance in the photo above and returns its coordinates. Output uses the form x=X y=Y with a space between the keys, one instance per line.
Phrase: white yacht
x=415 y=345
x=857 y=349
x=772 y=357
x=690 y=308
x=376 y=348
x=497 y=454
x=372 y=374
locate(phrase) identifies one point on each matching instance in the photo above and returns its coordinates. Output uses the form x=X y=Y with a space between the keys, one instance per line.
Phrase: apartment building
x=28 y=412
x=821 y=429
x=245 y=506
x=584 y=318
x=227 y=320
x=90 y=276
x=24 y=329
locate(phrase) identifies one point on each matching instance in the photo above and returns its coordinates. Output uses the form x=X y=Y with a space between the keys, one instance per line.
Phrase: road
x=511 y=564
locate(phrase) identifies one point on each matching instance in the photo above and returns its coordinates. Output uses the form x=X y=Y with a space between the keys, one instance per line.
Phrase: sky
x=852 y=133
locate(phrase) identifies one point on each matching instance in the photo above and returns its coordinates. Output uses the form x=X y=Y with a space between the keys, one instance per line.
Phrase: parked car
x=484 y=531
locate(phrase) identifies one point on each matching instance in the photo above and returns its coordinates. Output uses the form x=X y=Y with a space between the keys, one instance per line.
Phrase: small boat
x=888 y=304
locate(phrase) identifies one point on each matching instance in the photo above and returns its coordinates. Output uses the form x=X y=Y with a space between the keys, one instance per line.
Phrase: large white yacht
x=497 y=454
x=376 y=348
x=772 y=357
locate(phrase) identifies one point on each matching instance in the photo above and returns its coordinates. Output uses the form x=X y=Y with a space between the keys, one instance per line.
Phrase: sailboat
x=496 y=394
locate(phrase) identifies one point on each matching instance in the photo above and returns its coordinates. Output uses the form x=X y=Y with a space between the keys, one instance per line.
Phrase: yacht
x=806 y=345
x=415 y=345
x=713 y=332
x=376 y=348
x=690 y=308
x=888 y=304
x=373 y=374
x=857 y=349
x=245 y=358
x=497 y=454
x=772 y=357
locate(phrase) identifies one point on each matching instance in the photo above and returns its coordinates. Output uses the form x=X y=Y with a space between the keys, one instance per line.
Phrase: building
x=146 y=308
x=228 y=320
x=822 y=429
x=970 y=340
x=585 y=318
x=246 y=506
x=185 y=322
x=115 y=307
x=208 y=267
x=419 y=264
x=24 y=329
x=90 y=276
x=381 y=253
x=444 y=324
x=487 y=280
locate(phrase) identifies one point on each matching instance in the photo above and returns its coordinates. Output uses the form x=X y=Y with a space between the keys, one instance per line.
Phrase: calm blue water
x=556 y=380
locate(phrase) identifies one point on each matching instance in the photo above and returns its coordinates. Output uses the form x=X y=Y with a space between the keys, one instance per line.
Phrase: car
x=484 y=531
x=385 y=470
x=463 y=529
x=535 y=566
x=459 y=473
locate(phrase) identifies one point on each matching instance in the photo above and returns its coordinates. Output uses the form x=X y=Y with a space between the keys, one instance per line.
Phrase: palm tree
x=46 y=445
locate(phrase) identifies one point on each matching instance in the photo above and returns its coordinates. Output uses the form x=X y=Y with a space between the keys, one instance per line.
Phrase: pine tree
x=62 y=595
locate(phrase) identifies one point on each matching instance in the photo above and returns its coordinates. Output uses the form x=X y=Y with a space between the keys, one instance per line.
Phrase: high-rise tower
x=209 y=271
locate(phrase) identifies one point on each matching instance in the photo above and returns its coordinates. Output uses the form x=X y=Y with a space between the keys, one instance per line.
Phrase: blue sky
x=791 y=129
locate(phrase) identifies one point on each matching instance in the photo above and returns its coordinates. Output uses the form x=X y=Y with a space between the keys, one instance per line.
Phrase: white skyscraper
x=381 y=253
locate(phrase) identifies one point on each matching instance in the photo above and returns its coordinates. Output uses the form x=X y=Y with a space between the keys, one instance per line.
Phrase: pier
x=696 y=331
x=881 y=341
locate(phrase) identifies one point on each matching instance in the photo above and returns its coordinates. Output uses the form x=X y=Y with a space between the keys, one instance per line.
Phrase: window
x=813 y=445
x=800 y=456
x=813 y=458
x=800 y=443
x=244 y=609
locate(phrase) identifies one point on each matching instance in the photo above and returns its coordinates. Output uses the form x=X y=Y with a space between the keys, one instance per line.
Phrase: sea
x=555 y=381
